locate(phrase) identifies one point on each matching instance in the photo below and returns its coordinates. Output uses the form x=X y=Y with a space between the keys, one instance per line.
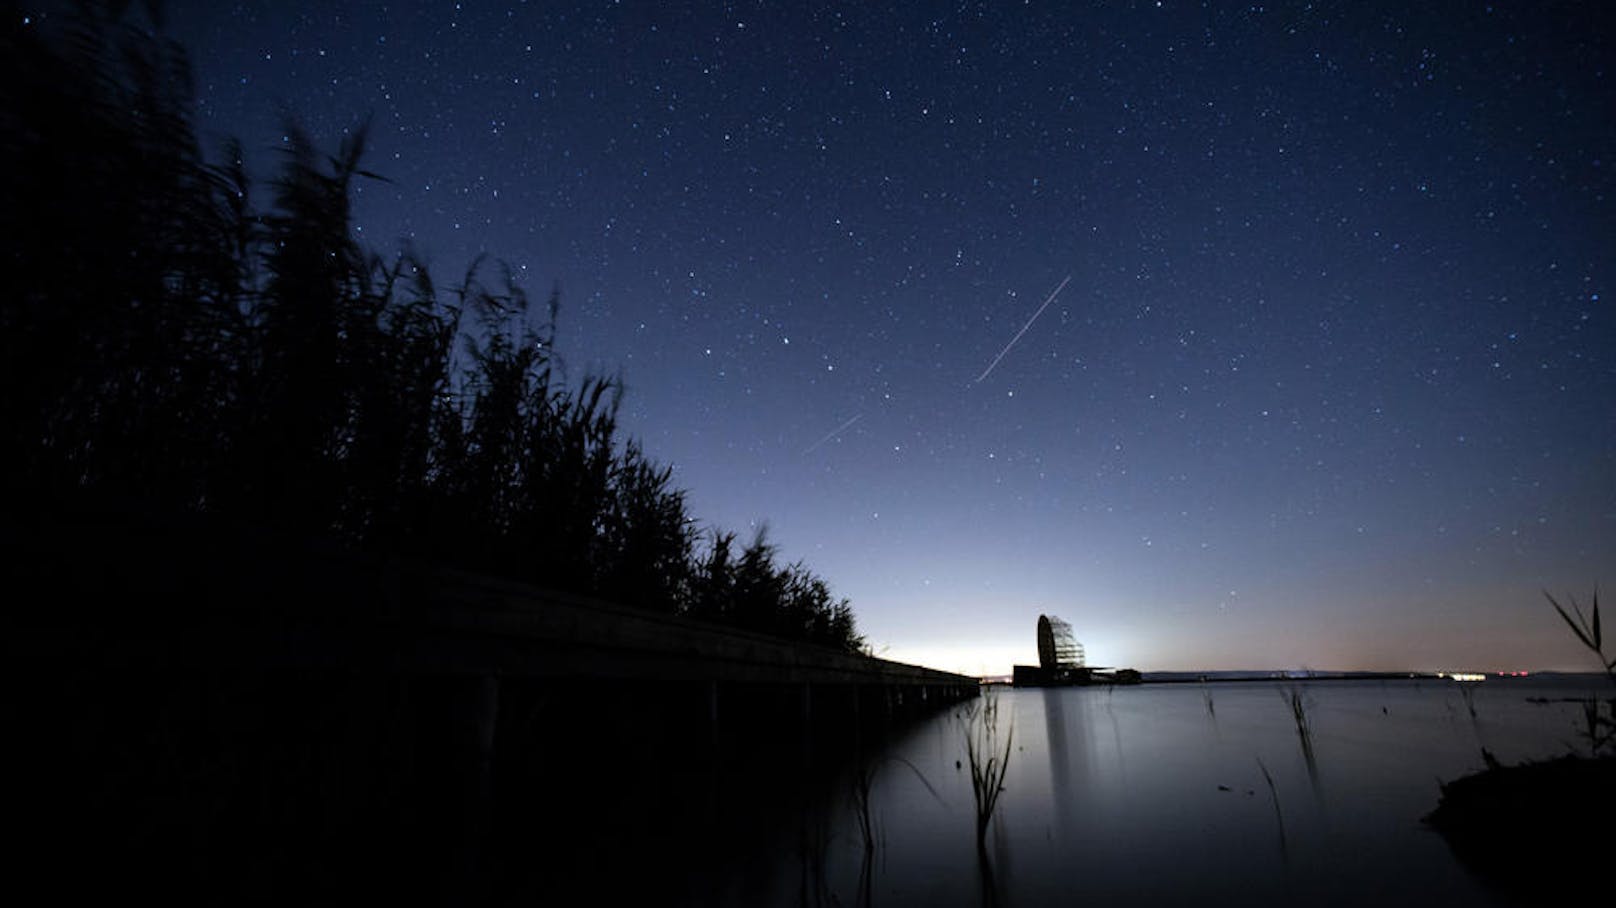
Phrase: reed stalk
x=1279 y=817
x=863 y=786
x=1296 y=699
x=1600 y=730
x=988 y=760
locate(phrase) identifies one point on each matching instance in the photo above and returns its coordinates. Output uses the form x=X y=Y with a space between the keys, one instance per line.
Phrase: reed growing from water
x=1467 y=693
x=1297 y=701
x=989 y=761
x=1279 y=816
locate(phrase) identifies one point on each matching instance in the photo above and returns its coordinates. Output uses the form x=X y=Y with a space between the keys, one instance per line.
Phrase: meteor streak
x=833 y=433
x=1052 y=294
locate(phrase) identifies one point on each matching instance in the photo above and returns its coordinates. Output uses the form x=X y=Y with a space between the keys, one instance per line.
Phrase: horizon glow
x=1331 y=386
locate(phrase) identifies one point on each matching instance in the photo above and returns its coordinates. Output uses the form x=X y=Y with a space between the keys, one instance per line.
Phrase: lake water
x=1143 y=795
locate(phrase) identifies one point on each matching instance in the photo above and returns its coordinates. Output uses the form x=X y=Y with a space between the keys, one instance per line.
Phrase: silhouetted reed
x=1296 y=699
x=1599 y=730
x=1279 y=816
x=1587 y=631
x=1467 y=693
x=863 y=779
x=987 y=760
x=862 y=786
x=170 y=345
x=870 y=833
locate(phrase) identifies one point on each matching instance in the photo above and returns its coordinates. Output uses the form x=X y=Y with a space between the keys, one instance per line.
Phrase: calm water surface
x=1143 y=795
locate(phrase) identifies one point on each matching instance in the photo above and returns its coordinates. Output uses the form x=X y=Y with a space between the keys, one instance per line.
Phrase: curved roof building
x=1057 y=648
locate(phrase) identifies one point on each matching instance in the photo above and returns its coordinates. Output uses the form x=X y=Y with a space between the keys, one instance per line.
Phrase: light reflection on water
x=1142 y=795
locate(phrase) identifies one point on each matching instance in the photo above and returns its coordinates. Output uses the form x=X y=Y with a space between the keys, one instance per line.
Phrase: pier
x=220 y=708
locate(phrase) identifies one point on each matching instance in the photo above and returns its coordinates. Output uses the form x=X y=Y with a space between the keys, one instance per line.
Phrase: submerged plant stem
x=1279 y=817
x=987 y=761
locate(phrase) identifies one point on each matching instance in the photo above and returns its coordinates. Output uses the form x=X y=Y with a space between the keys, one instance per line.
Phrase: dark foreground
x=246 y=720
x=1538 y=831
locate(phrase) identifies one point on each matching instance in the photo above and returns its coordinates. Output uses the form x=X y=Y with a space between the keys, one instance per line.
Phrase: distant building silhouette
x=1062 y=661
x=1057 y=648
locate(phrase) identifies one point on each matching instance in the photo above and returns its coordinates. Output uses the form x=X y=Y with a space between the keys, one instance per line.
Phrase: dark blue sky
x=1332 y=384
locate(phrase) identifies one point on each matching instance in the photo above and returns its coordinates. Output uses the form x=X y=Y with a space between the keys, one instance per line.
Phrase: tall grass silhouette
x=180 y=342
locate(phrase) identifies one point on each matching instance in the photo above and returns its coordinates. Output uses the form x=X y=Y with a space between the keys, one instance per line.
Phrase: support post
x=807 y=724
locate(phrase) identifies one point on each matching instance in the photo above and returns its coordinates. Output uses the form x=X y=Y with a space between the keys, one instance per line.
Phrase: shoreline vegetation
x=180 y=345
x=1563 y=806
x=238 y=440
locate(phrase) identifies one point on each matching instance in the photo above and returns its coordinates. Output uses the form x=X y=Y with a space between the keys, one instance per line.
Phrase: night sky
x=1332 y=382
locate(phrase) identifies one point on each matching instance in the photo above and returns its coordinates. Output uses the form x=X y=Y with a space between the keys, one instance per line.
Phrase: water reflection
x=1065 y=719
x=1152 y=795
x=992 y=895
